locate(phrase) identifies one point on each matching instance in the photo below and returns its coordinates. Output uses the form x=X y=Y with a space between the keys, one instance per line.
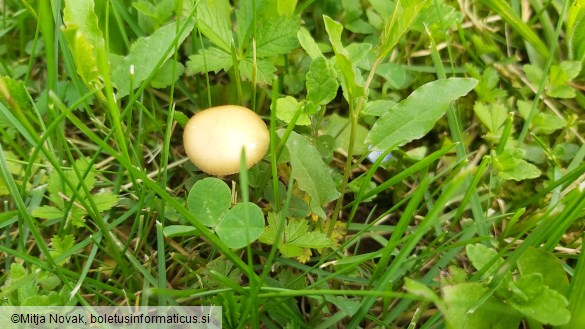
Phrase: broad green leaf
x=245 y=21
x=524 y=170
x=16 y=277
x=543 y=304
x=59 y=191
x=48 y=212
x=311 y=173
x=179 y=230
x=405 y=11
x=396 y=75
x=290 y=279
x=347 y=307
x=558 y=80
x=565 y=151
x=339 y=126
x=105 y=200
x=296 y=237
x=208 y=60
x=493 y=116
x=374 y=19
x=487 y=89
x=534 y=74
x=15 y=97
x=358 y=51
x=17 y=272
x=264 y=70
x=527 y=287
x=294 y=80
x=523 y=108
x=542 y=122
x=145 y=8
x=70 y=94
x=13 y=93
x=438 y=18
x=61 y=245
x=269 y=195
x=48 y=280
x=209 y=199
x=356 y=185
x=419 y=289
x=535 y=260
x=576 y=30
x=561 y=91
x=382 y=7
x=241 y=225
x=321 y=82
x=25 y=281
x=270 y=232
x=312 y=239
x=511 y=165
x=417 y=153
x=159 y=13
x=349 y=71
x=558 y=76
x=547 y=123
x=181 y=118
x=298 y=208
x=286 y=7
x=359 y=26
x=213 y=20
x=76 y=216
x=456 y=275
x=311 y=108
x=287 y=107
x=415 y=116
x=222 y=267
x=14 y=165
x=326 y=145
x=145 y=55
x=491 y=314
x=509 y=158
x=308 y=43
x=485 y=45
x=84 y=38
x=377 y=108
x=353 y=9
x=269 y=10
x=165 y=76
x=571 y=68
x=480 y=256
x=62 y=195
x=85 y=57
x=277 y=36
x=80 y=13
x=52 y=299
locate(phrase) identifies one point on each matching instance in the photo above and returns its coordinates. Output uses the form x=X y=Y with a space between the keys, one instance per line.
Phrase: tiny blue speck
x=375 y=155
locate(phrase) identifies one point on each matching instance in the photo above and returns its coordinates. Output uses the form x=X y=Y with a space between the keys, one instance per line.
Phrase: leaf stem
x=354 y=113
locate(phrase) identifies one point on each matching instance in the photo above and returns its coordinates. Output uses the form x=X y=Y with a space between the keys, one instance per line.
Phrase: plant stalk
x=354 y=113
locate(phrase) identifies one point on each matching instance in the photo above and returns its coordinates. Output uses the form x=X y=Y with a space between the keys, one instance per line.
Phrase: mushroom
x=214 y=139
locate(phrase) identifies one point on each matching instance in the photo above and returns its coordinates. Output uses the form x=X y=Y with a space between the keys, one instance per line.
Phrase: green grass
x=475 y=221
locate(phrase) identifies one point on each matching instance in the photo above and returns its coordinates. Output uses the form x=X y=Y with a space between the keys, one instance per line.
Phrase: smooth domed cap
x=214 y=139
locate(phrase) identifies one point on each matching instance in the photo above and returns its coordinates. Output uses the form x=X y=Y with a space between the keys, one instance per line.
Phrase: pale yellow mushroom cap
x=214 y=139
